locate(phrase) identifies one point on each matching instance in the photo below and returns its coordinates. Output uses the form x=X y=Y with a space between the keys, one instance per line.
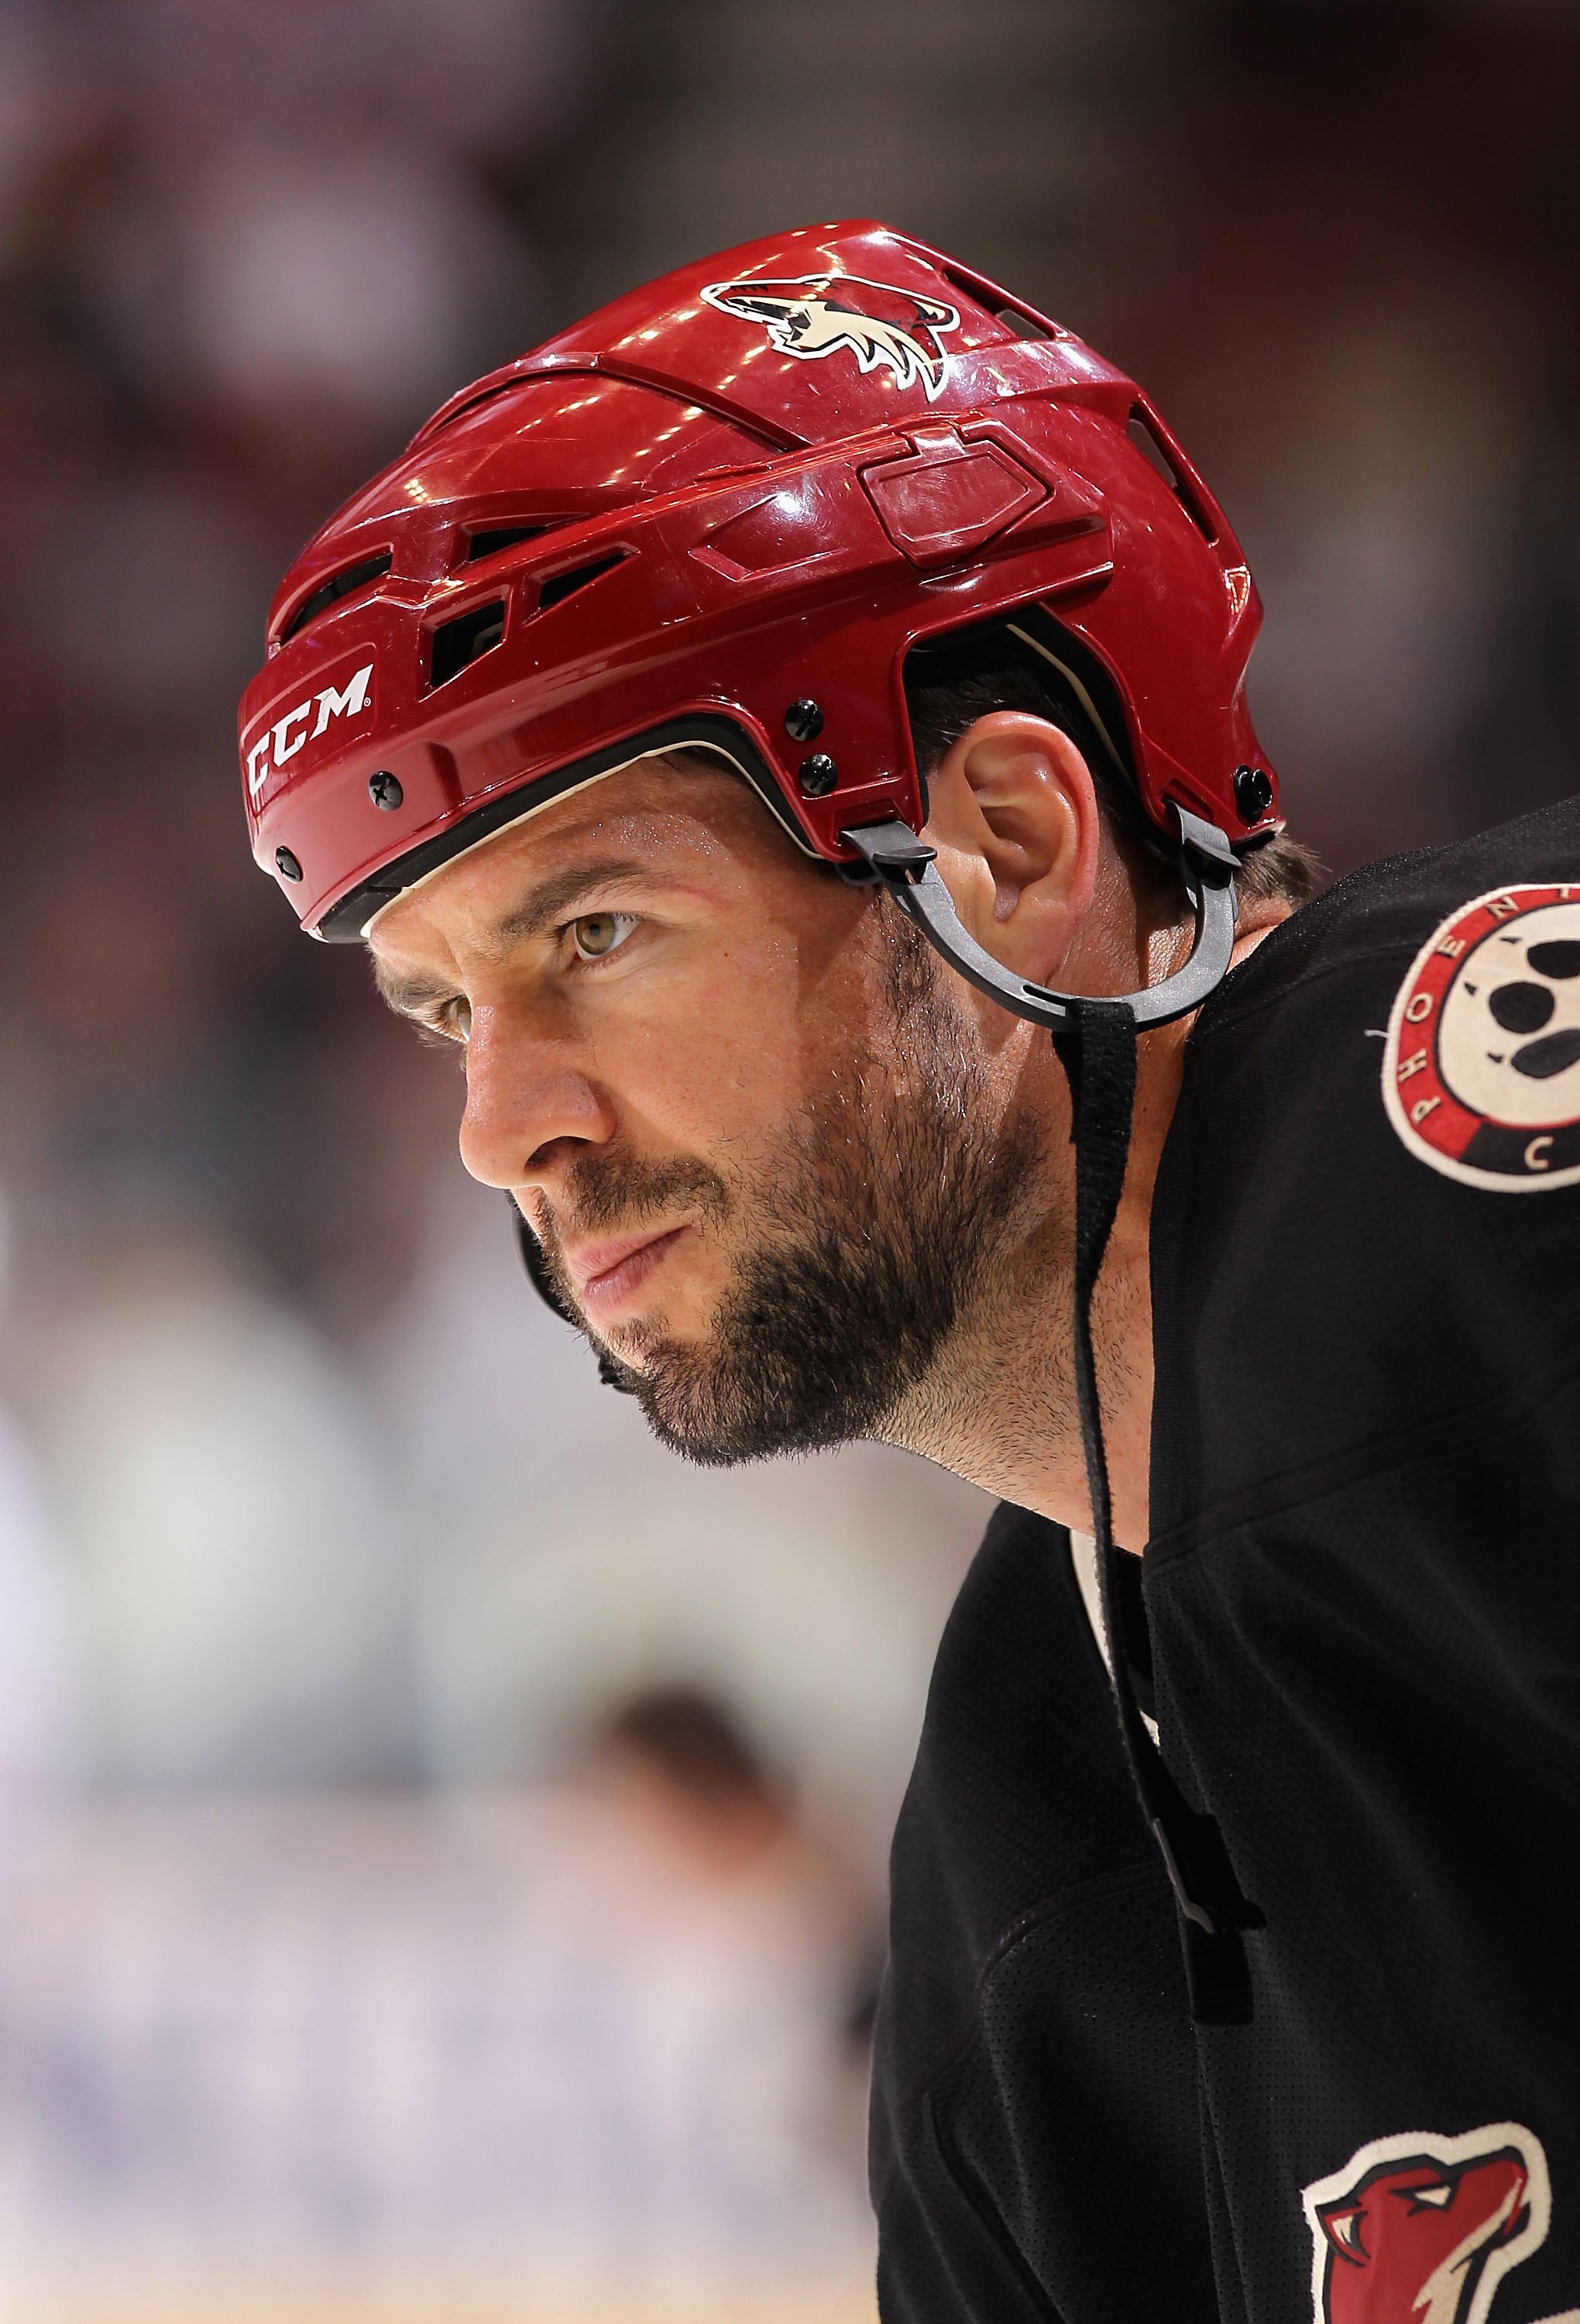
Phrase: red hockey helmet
x=720 y=513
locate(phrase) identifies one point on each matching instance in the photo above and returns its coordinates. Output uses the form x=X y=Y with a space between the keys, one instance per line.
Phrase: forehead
x=674 y=813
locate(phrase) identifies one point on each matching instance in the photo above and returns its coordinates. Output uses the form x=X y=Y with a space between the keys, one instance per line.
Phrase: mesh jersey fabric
x=1363 y=1595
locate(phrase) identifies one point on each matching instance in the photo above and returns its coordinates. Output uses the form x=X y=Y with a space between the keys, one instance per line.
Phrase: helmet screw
x=384 y=791
x=1253 y=792
x=804 y=721
x=287 y=864
x=817 y=775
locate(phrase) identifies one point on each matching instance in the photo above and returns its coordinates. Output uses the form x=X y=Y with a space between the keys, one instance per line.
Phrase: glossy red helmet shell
x=721 y=512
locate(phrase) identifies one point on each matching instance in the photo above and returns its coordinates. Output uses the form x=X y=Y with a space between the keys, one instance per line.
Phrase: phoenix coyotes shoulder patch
x=1481 y=1074
x=1421 y=2229
x=812 y=315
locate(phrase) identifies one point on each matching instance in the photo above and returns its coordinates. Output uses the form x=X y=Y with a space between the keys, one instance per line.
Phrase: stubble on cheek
x=748 y=1201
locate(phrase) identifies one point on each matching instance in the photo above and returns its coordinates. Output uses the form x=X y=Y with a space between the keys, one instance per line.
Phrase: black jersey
x=1363 y=1600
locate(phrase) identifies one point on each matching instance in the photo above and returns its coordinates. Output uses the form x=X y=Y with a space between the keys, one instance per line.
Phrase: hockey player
x=750 y=725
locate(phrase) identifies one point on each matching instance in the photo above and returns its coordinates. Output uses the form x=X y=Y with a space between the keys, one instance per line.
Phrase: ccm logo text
x=284 y=739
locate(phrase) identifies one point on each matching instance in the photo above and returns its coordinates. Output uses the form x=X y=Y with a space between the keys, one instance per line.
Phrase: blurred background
x=441 y=1838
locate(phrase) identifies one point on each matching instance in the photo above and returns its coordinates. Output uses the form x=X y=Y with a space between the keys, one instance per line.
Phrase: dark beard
x=877 y=1228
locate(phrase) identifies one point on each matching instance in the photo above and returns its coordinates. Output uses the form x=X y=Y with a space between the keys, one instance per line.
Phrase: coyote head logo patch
x=814 y=314
x=1419 y=2230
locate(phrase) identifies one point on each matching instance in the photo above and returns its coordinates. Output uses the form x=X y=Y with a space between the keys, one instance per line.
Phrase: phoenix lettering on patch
x=1481 y=1069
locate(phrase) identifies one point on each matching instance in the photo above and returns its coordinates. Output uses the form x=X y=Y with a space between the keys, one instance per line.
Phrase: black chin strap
x=1096 y=1043
x=1096 y=1048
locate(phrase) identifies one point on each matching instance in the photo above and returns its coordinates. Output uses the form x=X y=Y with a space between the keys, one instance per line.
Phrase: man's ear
x=1013 y=816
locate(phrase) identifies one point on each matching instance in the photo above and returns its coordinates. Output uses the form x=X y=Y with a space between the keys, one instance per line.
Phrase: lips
x=608 y=1274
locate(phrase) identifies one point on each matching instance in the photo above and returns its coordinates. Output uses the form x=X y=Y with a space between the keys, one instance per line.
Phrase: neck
x=999 y=1405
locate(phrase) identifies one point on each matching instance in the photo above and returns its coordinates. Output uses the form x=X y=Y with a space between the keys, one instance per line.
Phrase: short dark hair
x=1028 y=663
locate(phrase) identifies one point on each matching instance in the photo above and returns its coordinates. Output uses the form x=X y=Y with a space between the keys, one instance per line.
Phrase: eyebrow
x=541 y=906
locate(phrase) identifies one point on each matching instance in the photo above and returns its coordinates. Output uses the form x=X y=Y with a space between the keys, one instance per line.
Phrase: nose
x=530 y=1106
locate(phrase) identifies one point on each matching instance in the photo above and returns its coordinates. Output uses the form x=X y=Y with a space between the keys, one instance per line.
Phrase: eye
x=1343 y=2228
x=597 y=933
x=451 y=1021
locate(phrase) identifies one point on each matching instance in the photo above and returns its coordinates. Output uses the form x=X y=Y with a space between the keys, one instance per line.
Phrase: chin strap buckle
x=892 y=850
x=1208 y=855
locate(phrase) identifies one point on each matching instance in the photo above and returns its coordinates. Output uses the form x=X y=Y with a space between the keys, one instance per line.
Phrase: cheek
x=719 y=1066
x=717 y=1040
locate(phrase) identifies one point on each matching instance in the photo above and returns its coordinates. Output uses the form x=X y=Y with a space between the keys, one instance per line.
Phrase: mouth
x=607 y=1276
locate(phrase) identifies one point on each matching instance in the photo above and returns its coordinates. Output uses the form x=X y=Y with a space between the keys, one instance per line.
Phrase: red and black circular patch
x=1481 y=1074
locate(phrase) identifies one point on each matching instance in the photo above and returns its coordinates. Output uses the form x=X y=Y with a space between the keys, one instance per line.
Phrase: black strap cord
x=1096 y=1043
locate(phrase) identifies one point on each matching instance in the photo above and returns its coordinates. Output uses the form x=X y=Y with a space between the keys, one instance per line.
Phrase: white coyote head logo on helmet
x=812 y=315
x=1419 y=2230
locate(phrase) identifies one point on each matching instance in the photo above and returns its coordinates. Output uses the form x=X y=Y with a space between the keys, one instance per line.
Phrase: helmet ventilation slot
x=340 y=585
x=457 y=644
x=496 y=537
x=560 y=585
x=1024 y=321
x=1143 y=433
x=1023 y=325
